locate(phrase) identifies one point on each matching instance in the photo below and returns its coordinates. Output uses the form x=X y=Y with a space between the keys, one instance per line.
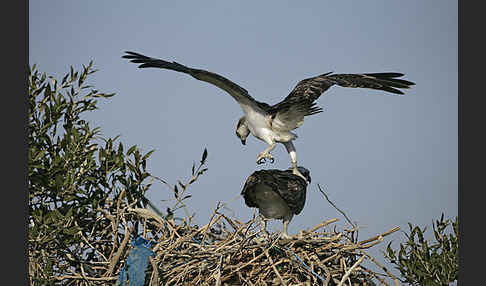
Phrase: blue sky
x=384 y=160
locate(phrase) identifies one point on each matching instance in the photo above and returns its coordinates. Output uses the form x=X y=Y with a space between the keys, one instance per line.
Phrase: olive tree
x=74 y=176
x=424 y=262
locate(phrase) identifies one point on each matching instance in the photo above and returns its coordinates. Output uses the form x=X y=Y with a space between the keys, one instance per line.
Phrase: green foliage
x=74 y=176
x=422 y=262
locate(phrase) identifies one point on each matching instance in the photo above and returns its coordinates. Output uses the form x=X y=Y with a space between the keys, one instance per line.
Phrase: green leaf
x=147 y=155
x=144 y=176
x=37 y=166
x=176 y=192
x=204 y=156
x=59 y=180
x=39 y=154
x=71 y=231
x=136 y=155
x=202 y=171
x=64 y=79
x=103 y=95
x=131 y=150
x=181 y=184
x=120 y=148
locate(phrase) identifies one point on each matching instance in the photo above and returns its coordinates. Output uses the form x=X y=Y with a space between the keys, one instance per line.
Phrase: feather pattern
x=240 y=94
x=289 y=113
x=273 y=123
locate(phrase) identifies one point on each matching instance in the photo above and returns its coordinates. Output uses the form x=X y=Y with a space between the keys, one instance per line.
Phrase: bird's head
x=305 y=172
x=242 y=130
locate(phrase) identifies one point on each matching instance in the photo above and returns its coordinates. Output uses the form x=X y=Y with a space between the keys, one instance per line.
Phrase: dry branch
x=214 y=254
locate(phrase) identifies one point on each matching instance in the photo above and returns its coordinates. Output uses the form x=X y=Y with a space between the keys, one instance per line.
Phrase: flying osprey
x=274 y=123
x=277 y=194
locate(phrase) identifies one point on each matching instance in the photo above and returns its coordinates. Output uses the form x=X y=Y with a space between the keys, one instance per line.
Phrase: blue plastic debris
x=136 y=263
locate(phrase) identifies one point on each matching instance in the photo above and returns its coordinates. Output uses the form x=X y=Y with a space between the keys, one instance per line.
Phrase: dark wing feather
x=237 y=92
x=289 y=113
x=380 y=81
x=290 y=187
x=247 y=191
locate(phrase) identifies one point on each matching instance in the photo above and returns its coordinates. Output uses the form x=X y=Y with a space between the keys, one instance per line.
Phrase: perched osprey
x=274 y=123
x=277 y=194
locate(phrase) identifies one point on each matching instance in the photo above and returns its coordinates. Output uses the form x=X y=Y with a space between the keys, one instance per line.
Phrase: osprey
x=274 y=123
x=277 y=194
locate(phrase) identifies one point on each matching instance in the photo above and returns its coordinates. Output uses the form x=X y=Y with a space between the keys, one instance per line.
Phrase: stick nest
x=225 y=252
x=228 y=252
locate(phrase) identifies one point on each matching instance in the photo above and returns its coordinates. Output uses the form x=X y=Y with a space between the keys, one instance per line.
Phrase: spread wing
x=289 y=113
x=240 y=94
x=290 y=187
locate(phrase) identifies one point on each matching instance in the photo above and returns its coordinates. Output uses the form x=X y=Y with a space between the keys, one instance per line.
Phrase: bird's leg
x=263 y=222
x=293 y=158
x=296 y=172
x=263 y=156
x=286 y=221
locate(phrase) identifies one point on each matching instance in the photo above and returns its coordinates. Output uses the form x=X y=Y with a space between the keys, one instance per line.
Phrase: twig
x=346 y=275
x=63 y=277
x=249 y=262
x=395 y=279
x=320 y=225
x=82 y=273
x=375 y=275
x=122 y=246
x=275 y=268
x=148 y=214
x=327 y=198
x=155 y=272
x=218 y=274
x=380 y=236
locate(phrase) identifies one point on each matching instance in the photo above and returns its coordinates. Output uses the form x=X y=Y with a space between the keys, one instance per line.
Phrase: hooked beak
x=243 y=141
